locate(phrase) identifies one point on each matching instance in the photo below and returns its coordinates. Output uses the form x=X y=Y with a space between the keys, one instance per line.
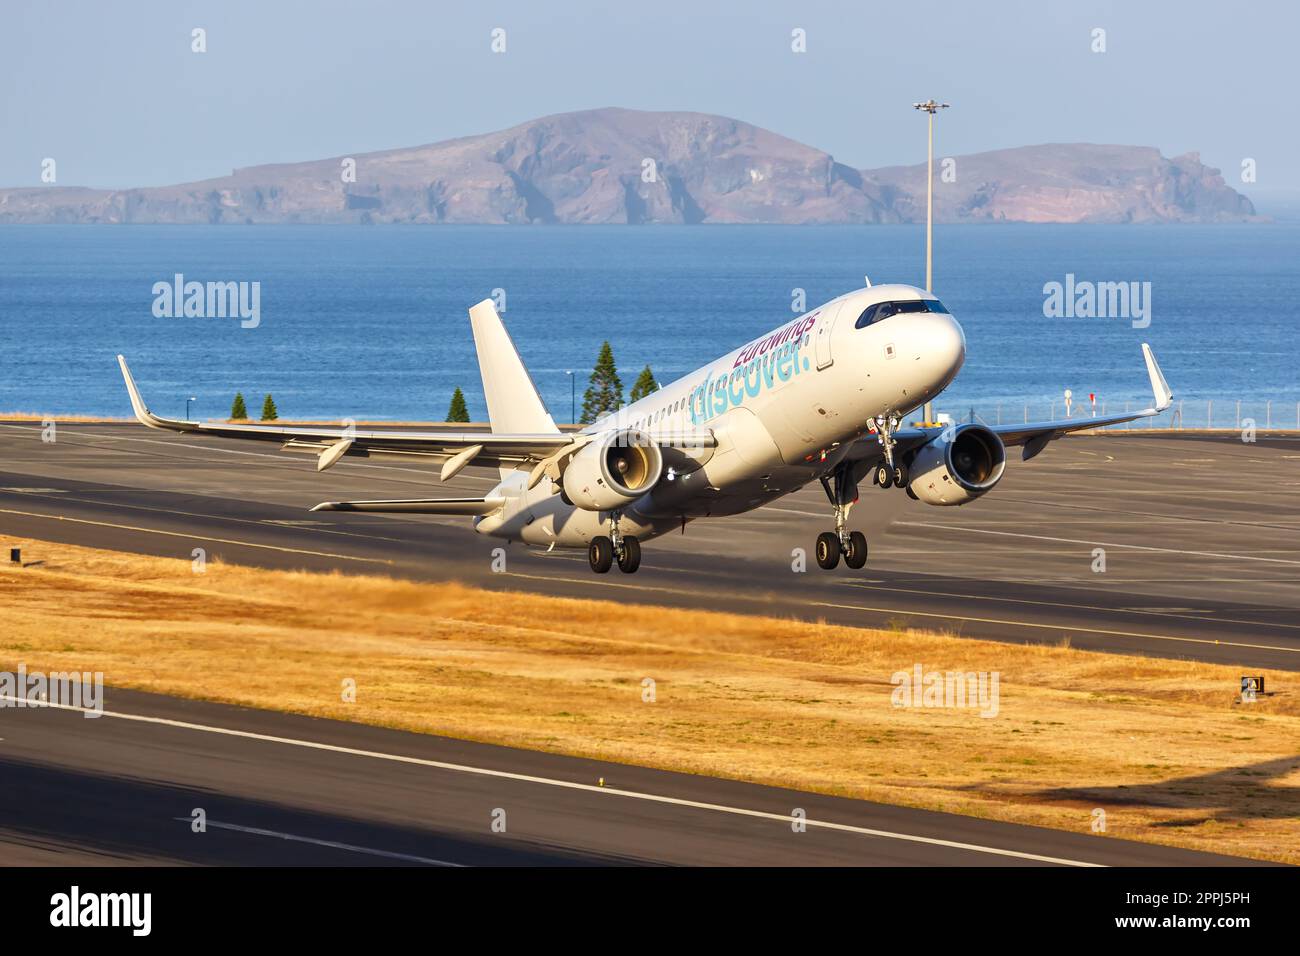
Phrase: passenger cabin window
x=883 y=310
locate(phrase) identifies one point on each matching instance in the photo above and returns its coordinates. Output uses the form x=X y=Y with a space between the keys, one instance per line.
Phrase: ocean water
x=370 y=322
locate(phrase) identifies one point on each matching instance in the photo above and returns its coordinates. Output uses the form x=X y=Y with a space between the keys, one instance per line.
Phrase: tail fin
x=512 y=401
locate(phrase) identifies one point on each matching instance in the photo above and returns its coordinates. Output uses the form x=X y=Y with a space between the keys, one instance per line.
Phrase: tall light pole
x=573 y=397
x=931 y=107
x=187 y=406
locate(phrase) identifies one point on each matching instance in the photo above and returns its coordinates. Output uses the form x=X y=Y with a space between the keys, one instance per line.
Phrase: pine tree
x=269 y=414
x=605 y=393
x=459 y=411
x=645 y=384
x=238 y=410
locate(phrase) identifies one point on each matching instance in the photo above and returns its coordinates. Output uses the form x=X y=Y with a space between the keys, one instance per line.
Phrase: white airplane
x=821 y=398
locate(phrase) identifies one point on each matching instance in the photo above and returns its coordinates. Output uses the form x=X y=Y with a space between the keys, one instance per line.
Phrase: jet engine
x=612 y=470
x=958 y=466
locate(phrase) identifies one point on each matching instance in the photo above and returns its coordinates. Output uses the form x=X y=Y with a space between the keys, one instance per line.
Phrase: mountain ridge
x=615 y=165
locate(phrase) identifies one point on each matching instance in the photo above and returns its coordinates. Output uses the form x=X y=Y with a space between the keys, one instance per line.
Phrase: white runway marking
x=1063 y=628
x=195 y=537
x=590 y=581
x=1153 y=611
x=1098 y=544
x=388 y=854
x=783 y=818
x=258 y=522
x=1114 y=512
x=792 y=511
x=98 y=441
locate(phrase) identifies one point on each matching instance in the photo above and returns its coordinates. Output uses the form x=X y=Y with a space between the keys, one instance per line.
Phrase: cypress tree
x=238 y=410
x=605 y=393
x=269 y=413
x=458 y=411
x=645 y=384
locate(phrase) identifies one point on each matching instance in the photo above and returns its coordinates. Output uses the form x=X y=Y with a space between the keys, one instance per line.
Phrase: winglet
x=1164 y=397
x=142 y=413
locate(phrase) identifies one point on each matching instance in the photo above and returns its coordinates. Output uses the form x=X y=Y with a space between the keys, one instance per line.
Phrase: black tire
x=855 y=555
x=884 y=477
x=828 y=550
x=901 y=476
x=601 y=554
x=630 y=559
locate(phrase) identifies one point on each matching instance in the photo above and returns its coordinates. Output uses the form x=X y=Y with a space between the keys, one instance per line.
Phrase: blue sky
x=114 y=94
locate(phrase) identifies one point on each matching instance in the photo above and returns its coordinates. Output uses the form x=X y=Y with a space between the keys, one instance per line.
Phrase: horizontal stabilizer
x=419 y=506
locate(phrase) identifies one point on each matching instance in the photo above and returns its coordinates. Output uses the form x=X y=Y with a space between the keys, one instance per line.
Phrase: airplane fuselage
x=783 y=408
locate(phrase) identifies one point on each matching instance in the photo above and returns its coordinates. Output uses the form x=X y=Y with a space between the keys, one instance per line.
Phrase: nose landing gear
x=832 y=545
x=890 y=477
x=889 y=473
x=604 y=552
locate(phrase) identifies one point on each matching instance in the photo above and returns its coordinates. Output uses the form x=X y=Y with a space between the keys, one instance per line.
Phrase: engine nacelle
x=613 y=470
x=958 y=466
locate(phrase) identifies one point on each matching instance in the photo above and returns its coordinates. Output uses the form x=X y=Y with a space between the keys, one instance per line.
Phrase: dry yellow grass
x=1161 y=746
x=54 y=416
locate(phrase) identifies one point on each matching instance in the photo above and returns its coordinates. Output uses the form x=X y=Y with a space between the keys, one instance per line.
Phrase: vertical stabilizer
x=513 y=404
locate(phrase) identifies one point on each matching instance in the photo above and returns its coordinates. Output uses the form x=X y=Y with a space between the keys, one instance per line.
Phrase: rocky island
x=630 y=166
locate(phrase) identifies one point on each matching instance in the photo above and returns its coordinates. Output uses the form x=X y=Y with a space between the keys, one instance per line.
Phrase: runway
x=276 y=789
x=1200 y=538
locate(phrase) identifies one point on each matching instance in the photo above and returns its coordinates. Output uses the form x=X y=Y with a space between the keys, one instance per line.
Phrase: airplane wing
x=1033 y=436
x=454 y=449
x=420 y=506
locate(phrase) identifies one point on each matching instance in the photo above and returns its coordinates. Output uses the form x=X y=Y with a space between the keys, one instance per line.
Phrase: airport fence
x=1185 y=414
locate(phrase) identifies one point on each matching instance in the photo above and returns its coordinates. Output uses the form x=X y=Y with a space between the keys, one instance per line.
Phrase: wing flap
x=496 y=449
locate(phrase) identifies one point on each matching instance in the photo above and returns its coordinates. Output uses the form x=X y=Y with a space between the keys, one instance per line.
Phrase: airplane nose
x=941 y=350
x=954 y=344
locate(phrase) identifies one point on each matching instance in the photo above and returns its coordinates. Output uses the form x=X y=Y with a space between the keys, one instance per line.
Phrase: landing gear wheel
x=855 y=555
x=629 y=558
x=901 y=477
x=601 y=554
x=828 y=550
x=884 y=475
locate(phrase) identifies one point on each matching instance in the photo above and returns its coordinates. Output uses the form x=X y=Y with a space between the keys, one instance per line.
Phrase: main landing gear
x=832 y=545
x=623 y=549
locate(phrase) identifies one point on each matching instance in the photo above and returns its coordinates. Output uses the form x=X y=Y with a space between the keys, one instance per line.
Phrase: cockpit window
x=883 y=310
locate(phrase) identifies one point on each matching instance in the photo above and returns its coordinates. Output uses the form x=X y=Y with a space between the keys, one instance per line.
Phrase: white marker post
x=931 y=107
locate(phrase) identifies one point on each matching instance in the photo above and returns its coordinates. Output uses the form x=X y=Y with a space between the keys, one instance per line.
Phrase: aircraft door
x=822 y=335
